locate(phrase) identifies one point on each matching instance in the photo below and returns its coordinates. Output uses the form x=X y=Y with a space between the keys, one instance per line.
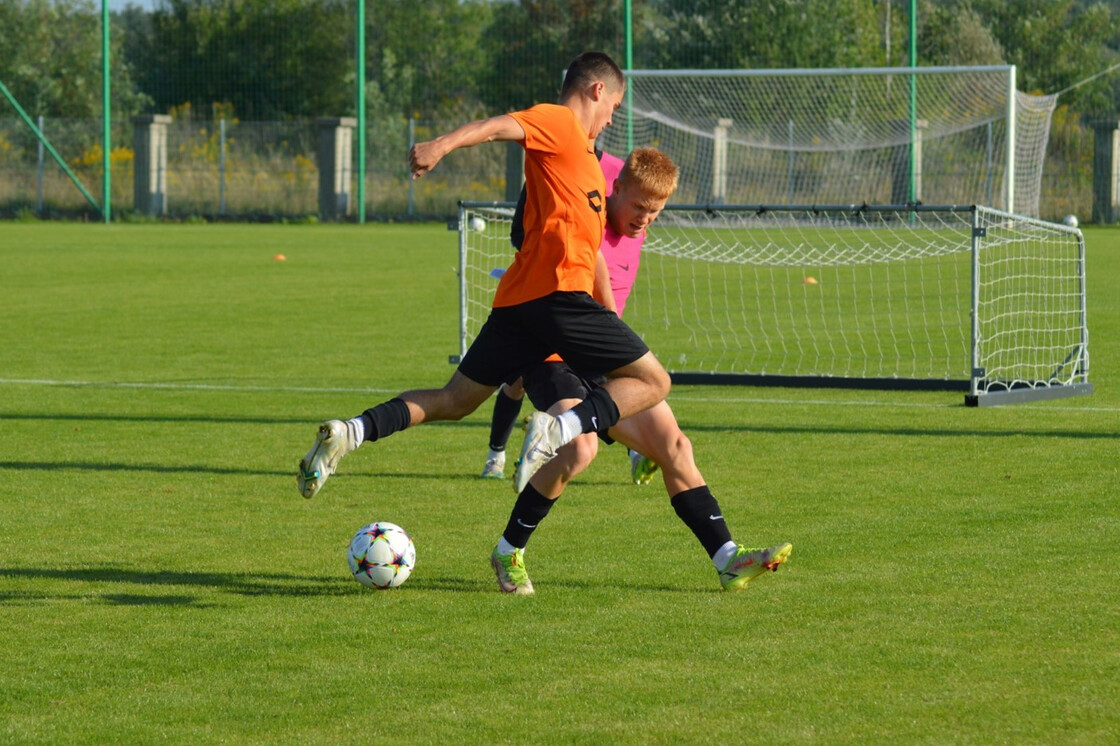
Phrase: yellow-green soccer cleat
x=642 y=469
x=510 y=569
x=748 y=564
x=334 y=440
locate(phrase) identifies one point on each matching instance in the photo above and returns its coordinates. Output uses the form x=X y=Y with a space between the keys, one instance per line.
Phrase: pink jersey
x=622 y=253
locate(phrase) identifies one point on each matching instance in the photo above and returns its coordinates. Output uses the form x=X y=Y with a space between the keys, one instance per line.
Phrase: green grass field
x=954 y=576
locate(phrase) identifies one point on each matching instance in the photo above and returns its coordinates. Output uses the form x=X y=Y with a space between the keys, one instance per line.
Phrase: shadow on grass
x=154 y=468
x=475 y=424
x=199 y=418
x=202 y=469
x=591 y=585
x=240 y=584
x=134 y=599
x=914 y=432
x=275 y=584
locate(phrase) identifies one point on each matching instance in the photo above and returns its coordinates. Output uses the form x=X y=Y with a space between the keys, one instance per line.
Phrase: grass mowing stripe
x=195 y=386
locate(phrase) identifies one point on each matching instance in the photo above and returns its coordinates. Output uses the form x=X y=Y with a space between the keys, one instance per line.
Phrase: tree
x=955 y=34
x=530 y=43
x=269 y=59
x=712 y=34
x=425 y=55
x=1056 y=44
x=50 y=59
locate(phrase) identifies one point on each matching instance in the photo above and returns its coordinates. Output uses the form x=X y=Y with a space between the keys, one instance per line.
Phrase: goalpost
x=938 y=135
x=895 y=296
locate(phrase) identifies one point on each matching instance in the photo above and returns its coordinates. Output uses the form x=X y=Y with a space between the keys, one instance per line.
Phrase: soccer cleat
x=510 y=569
x=542 y=441
x=748 y=564
x=495 y=468
x=642 y=469
x=335 y=439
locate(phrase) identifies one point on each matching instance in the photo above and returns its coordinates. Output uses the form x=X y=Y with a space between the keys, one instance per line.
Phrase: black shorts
x=591 y=339
x=548 y=382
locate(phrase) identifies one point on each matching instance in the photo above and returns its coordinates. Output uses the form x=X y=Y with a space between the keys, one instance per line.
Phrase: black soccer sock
x=699 y=510
x=597 y=413
x=386 y=418
x=529 y=510
x=506 y=410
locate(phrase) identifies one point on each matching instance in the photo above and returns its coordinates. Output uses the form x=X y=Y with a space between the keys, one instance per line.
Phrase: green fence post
x=106 y=118
x=629 y=87
x=361 y=106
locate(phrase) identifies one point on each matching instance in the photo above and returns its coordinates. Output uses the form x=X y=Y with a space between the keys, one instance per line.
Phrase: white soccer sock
x=570 y=427
x=724 y=554
x=359 y=430
x=498 y=456
x=504 y=547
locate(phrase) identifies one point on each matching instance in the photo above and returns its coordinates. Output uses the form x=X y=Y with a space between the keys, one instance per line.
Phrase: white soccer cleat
x=495 y=467
x=334 y=440
x=542 y=440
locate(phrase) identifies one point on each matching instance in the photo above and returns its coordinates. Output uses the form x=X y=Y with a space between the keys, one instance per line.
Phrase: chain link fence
x=259 y=74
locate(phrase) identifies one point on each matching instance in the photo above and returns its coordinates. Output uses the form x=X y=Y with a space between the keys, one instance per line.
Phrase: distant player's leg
x=642 y=468
x=655 y=432
x=507 y=407
x=336 y=438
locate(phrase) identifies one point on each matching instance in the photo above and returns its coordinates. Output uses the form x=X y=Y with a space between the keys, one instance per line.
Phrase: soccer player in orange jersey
x=544 y=302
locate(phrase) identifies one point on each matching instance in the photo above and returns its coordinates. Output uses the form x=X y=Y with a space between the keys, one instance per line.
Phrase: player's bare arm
x=603 y=292
x=423 y=156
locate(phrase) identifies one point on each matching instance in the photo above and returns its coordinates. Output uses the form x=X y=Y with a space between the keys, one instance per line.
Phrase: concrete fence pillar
x=900 y=166
x=334 y=137
x=719 y=160
x=1106 y=171
x=149 y=144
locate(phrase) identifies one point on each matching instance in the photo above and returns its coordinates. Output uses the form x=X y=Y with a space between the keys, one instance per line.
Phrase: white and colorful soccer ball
x=478 y=225
x=1070 y=220
x=381 y=555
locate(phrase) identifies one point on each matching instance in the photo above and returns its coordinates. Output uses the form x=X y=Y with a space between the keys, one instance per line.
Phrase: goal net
x=937 y=135
x=952 y=298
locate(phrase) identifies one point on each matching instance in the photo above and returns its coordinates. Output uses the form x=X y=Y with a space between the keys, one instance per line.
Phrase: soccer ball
x=381 y=555
x=478 y=224
x=1070 y=220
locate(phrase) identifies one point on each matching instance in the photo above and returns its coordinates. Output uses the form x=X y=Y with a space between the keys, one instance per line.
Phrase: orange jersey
x=565 y=208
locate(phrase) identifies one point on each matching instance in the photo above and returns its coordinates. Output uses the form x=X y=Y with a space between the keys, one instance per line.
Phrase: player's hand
x=422 y=158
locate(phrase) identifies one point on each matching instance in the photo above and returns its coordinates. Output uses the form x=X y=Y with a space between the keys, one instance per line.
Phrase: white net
x=856 y=294
x=877 y=296
x=1030 y=305
x=841 y=136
